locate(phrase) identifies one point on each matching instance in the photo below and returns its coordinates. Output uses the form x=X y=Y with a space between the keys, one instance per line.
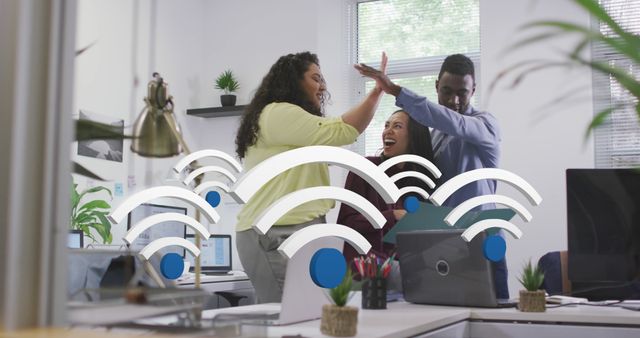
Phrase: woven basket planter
x=339 y=321
x=532 y=301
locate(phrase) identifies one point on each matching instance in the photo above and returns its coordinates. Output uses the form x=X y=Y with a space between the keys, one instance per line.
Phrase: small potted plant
x=339 y=320
x=227 y=82
x=531 y=299
x=91 y=215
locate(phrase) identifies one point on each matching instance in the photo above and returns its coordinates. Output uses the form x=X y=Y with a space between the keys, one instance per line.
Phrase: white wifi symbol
x=213 y=197
x=171 y=264
x=328 y=265
x=494 y=246
x=411 y=203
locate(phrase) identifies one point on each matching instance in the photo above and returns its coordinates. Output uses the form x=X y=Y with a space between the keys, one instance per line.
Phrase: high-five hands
x=380 y=76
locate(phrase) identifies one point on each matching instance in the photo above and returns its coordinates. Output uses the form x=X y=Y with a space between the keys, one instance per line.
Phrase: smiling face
x=395 y=136
x=313 y=85
x=455 y=91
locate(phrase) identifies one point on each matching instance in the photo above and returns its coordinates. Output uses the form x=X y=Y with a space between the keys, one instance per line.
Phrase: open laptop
x=302 y=300
x=215 y=255
x=439 y=267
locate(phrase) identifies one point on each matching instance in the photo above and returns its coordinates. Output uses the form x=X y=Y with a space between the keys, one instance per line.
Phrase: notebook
x=439 y=267
x=431 y=217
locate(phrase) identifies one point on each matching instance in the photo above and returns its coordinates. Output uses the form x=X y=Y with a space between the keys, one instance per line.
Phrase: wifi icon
x=171 y=264
x=327 y=267
x=494 y=246
x=411 y=203
x=213 y=197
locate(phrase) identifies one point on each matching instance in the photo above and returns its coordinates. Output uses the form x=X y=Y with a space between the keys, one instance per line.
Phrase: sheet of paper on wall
x=431 y=217
x=118 y=190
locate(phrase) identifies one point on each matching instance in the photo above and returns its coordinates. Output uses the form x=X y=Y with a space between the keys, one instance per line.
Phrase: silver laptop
x=215 y=255
x=302 y=300
x=438 y=267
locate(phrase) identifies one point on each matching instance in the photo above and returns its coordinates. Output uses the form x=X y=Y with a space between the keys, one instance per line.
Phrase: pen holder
x=374 y=293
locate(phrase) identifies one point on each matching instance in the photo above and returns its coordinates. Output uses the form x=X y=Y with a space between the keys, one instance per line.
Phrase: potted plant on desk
x=339 y=320
x=92 y=214
x=531 y=299
x=227 y=82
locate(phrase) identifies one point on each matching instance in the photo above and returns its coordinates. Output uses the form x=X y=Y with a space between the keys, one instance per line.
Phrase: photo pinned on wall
x=110 y=150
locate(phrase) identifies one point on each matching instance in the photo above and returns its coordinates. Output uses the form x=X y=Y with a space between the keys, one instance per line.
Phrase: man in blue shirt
x=463 y=138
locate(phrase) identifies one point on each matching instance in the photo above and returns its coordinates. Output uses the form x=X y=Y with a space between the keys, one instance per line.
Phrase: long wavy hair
x=283 y=83
x=419 y=144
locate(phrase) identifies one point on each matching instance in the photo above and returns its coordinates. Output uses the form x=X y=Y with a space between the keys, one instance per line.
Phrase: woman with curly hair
x=287 y=113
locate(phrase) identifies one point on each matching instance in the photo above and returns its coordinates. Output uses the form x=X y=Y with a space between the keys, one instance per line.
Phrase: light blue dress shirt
x=461 y=142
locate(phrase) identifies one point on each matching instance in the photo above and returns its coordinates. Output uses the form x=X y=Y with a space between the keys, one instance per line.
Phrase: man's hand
x=382 y=80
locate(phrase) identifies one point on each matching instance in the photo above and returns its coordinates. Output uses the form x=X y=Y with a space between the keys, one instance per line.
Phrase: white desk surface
x=582 y=314
x=404 y=319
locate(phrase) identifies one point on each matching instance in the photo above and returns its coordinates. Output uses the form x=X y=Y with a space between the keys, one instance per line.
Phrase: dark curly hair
x=281 y=84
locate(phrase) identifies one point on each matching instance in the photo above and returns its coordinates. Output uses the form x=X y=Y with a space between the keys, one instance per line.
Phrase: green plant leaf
x=227 y=82
x=531 y=277
x=594 y=8
x=96 y=204
x=92 y=215
x=562 y=28
x=340 y=294
x=95 y=190
x=625 y=43
x=103 y=227
x=598 y=120
x=75 y=197
x=625 y=79
x=84 y=217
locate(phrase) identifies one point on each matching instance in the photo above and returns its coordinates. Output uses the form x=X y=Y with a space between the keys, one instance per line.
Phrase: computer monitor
x=603 y=225
x=160 y=230
x=75 y=239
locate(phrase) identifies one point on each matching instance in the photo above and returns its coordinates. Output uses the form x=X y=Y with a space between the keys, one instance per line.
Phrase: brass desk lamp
x=156 y=134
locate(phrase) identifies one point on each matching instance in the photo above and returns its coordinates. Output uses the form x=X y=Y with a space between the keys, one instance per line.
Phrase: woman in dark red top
x=401 y=135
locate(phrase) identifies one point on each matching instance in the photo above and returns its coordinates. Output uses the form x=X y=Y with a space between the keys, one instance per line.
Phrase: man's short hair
x=458 y=64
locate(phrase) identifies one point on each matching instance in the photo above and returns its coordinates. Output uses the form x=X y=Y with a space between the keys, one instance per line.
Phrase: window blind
x=417 y=35
x=617 y=140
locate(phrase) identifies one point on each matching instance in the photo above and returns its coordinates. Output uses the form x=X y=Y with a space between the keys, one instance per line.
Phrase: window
x=416 y=35
x=617 y=140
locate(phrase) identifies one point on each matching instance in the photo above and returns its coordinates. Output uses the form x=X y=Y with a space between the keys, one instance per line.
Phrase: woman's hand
x=399 y=213
x=380 y=76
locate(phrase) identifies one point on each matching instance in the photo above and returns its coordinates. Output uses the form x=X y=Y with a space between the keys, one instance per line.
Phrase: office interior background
x=44 y=85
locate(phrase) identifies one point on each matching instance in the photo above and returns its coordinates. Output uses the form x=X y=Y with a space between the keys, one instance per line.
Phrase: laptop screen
x=215 y=253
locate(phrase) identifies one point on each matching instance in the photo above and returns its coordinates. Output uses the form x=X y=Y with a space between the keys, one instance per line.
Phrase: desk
x=407 y=320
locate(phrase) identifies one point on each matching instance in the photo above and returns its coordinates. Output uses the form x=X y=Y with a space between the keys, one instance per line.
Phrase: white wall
x=539 y=141
x=192 y=42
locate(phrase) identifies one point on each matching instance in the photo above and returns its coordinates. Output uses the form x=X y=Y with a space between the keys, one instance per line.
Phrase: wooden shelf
x=217 y=111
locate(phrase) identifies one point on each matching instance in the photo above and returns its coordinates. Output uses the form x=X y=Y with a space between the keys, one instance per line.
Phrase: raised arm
x=360 y=116
x=478 y=128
